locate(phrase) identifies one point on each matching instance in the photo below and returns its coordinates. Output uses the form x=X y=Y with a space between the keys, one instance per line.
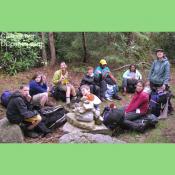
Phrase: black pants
x=128 y=122
x=103 y=88
x=129 y=84
x=95 y=90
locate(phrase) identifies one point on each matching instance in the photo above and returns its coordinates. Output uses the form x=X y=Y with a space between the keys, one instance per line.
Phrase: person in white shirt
x=130 y=78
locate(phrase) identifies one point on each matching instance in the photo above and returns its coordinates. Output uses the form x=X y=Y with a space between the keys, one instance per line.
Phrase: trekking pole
x=164 y=114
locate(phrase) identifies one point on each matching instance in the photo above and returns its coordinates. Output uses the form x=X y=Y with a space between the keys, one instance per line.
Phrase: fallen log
x=117 y=69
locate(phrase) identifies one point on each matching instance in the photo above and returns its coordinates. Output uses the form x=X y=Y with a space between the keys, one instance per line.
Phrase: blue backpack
x=157 y=100
x=5 y=96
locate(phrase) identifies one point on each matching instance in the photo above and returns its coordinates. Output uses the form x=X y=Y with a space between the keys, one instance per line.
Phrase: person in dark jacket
x=19 y=112
x=39 y=90
x=88 y=79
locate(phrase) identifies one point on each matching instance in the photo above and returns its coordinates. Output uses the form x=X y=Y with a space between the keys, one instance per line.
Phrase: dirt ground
x=163 y=133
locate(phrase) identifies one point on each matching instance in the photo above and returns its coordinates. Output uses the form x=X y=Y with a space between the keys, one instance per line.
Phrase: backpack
x=58 y=94
x=53 y=116
x=112 y=117
x=5 y=96
x=157 y=102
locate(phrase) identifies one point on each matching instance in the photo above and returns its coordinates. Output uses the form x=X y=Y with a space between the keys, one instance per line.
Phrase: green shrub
x=19 y=51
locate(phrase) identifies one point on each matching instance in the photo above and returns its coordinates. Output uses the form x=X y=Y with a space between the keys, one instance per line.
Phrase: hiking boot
x=141 y=128
x=117 y=97
x=31 y=134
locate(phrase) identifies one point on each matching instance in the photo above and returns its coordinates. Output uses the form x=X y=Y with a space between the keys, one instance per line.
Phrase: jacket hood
x=164 y=59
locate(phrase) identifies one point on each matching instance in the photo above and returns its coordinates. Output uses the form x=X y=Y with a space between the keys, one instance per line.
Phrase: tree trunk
x=84 y=47
x=44 y=54
x=52 y=49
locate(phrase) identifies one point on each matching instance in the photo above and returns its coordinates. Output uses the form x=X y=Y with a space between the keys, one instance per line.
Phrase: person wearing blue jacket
x=39 y=90
x=159 y=75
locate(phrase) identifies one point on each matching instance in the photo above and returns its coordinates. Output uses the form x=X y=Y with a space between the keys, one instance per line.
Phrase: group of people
x=96 y=85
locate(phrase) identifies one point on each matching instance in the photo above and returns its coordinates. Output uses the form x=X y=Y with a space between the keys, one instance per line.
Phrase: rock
x=99 y=129
x=10 y=133
x=83 y=125
x=80 y=137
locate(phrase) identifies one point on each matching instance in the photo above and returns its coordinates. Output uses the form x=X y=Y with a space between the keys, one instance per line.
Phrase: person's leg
x=44 y=99
x=40 y=99
x=92 y=89
x=73 y=92
x=116 y=89
x=103 y=88
x=127 y=124
x=131 y=85
x=68 y=91
x=97 y=90
x=124 y=85
x=133 y=116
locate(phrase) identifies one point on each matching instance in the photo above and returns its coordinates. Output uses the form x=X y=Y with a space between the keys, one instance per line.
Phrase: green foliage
x=115 y=46
x=19 y=51
x=166 y=41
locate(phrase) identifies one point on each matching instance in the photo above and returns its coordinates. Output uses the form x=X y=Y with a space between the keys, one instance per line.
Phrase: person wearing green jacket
x=61 y=80
x=159 y=75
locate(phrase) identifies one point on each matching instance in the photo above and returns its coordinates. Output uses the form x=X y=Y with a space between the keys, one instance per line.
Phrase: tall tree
x=44 y=54
x=84 y=47
x=52 y=49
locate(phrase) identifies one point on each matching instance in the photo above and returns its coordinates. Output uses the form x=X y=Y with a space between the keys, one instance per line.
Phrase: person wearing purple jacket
x=39 y=90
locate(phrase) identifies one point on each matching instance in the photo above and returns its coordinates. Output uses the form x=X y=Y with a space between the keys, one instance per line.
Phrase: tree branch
x=130 y=64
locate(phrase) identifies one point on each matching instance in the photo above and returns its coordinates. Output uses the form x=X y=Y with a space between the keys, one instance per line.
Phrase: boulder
x=83 y=125
x=10 y=133
x=98 y=129
x=80 y=137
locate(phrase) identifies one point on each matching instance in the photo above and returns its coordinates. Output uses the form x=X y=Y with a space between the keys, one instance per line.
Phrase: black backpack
x=53 y=116
x=112 y=117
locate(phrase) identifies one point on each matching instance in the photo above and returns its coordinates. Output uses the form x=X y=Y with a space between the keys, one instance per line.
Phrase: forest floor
x=163 y=133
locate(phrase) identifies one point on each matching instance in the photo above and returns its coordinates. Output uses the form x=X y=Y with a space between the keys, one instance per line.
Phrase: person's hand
x=29 y=98
x=163 y=86
x=48 y=89
x=44 y=79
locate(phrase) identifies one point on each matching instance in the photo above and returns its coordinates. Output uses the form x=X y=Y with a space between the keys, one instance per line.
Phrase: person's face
x=63 y=66
x=38 y=79
x=103 y=66
x=90 y=71
x=133 y=68
x=139 y=87
x=85 y=91
x=25 y=91
x=160 y=54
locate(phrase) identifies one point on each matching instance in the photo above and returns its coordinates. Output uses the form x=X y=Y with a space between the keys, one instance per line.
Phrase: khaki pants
x=36 y=100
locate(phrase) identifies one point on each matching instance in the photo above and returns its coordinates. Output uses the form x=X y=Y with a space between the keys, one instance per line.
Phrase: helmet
x=103 y=62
